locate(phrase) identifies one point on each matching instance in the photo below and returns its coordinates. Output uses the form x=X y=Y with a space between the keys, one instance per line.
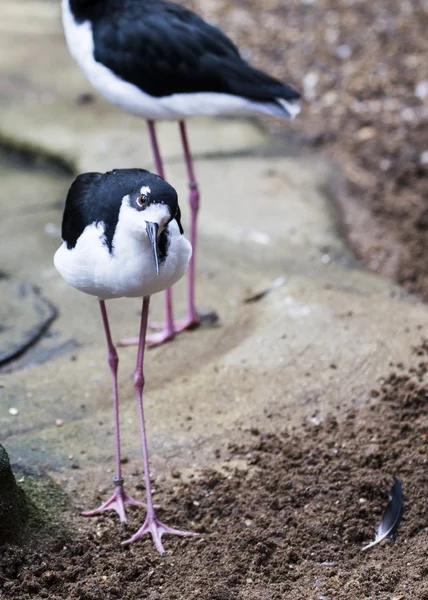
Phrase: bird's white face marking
x=132 y=222
x=157 y=213
x=145 y=190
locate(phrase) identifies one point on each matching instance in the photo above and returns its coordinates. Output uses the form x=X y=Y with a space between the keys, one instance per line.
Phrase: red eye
x=142 y=200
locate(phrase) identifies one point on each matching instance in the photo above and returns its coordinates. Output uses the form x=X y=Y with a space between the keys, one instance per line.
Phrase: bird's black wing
x=164 y=49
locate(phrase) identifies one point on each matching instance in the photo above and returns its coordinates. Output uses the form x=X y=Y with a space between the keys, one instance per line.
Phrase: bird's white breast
x=131 y=99
x=129 y=271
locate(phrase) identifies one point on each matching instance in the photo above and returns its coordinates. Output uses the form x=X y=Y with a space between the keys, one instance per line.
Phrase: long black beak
x=152 y=234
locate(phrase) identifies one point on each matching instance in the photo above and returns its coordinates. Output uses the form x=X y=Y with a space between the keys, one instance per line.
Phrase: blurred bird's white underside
x=177 y=106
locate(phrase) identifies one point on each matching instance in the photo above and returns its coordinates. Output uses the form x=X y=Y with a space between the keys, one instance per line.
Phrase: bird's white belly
x=127 y=272
x=133 y=100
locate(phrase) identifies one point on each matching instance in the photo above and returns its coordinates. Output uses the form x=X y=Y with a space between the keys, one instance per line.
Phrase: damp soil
x=285 y=517
x=361 y=67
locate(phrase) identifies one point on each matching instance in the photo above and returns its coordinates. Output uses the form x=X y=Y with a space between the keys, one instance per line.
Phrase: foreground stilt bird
x=158 y=60
x=122 y=237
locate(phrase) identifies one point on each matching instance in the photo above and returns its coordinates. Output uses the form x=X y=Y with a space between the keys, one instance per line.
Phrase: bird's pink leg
x=151 y=525
x=192 y=318
x=120 y=497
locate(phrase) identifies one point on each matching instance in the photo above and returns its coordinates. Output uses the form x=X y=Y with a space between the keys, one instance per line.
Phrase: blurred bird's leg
x=191 y=320
x=151 y=524
x=120 y=497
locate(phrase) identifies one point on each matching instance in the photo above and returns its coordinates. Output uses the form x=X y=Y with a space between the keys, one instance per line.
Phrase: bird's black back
x=165 y=49
x=97 y=198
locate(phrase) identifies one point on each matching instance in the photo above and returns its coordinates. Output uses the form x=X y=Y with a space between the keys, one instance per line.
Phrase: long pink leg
x=151 y=524
x=120 y=497
x=167 y=329
x=192 y=318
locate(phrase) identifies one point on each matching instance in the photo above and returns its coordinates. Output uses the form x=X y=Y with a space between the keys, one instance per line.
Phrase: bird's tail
x=291 y=107
x=269 y=94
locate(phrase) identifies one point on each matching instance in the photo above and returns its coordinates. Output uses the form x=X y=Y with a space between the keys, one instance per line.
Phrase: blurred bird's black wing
x=165 y=49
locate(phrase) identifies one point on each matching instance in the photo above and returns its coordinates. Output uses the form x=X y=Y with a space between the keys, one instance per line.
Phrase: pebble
x=421 y=90
x=330 y=98
x=310 y=81
x=423 y=159
x=366 y=133
x=13 y=411
x=343 y=52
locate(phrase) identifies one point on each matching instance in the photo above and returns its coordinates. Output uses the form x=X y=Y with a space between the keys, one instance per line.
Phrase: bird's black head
x=133 y=196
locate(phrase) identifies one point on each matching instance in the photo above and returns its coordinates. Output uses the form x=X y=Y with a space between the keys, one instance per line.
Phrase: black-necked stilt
x=122 y=237
x=159 y=60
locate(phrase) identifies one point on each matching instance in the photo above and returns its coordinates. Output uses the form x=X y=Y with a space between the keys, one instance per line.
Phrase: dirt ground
x=289 y=522
x=363 y=72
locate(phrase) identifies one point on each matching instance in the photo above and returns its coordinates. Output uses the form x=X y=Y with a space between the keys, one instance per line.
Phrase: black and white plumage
x=159 y=60
x=122 y=236
x=107 y=250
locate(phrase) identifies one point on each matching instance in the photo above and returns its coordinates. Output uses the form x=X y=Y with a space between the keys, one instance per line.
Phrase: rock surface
x=24 y=317
x=12 y=503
